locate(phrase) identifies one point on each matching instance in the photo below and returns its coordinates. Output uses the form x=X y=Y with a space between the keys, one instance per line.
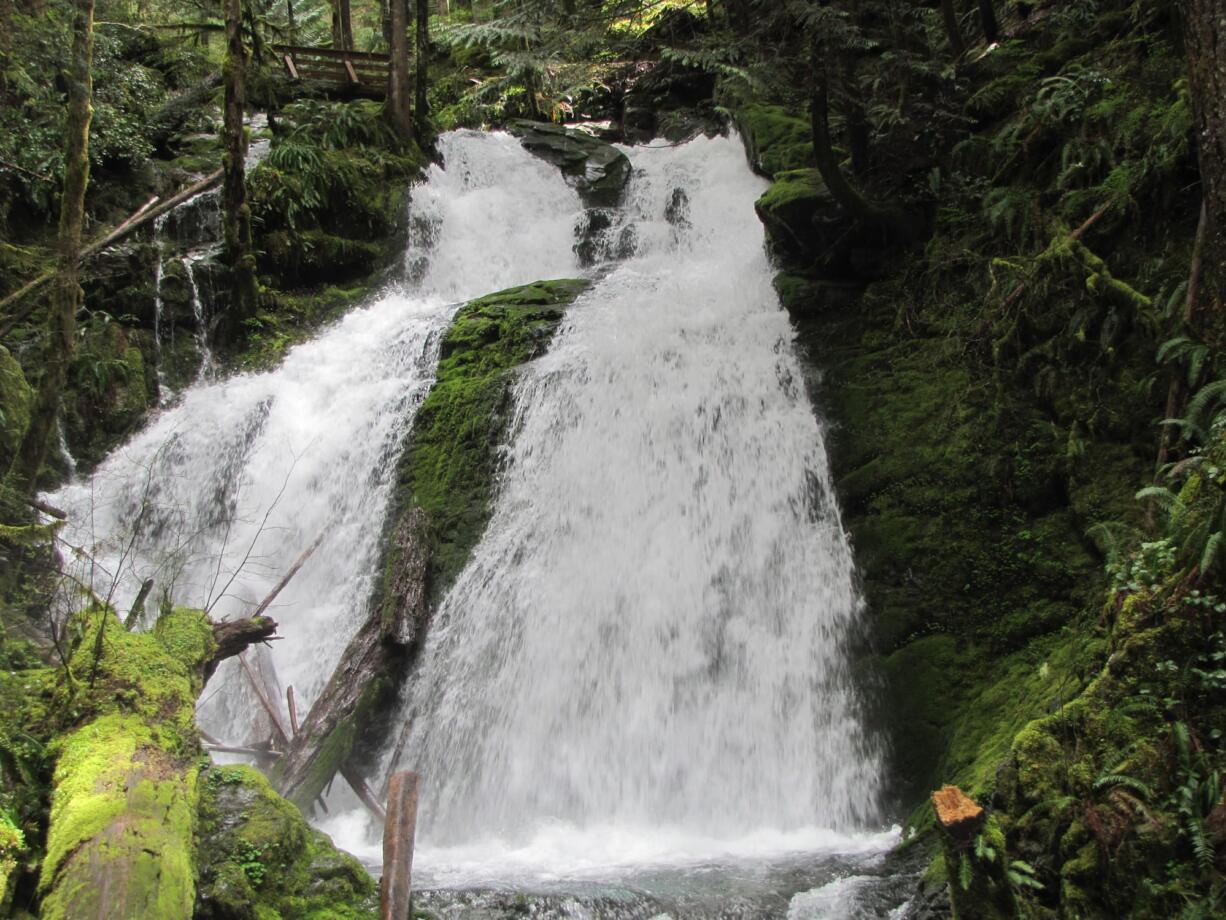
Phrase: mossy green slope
x=992 y=402
x=449 y=465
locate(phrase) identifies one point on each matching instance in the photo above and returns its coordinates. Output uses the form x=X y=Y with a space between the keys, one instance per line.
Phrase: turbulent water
x=651 y=632
x=636 y=697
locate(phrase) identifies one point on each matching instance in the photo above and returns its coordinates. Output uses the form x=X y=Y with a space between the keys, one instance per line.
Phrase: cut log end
x=959 y=815
x=234 y=636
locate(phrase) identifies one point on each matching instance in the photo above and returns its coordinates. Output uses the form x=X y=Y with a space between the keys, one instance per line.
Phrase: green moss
x=16 y=399
x=448 y=466
x=777 y=140
x=12 y=849
x=259 y=858
x=121 y=825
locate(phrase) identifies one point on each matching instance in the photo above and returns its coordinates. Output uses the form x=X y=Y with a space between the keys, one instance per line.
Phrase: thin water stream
x=636 y=699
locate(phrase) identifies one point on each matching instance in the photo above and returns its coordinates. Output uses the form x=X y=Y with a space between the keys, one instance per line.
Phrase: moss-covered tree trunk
x=240 y=251
x=124 y=792
x=66 y=289
x=397 y=106
x=1205 y=37
x=421 y=104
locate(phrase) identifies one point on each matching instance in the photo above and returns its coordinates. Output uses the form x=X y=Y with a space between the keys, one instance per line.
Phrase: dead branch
x=142 y=216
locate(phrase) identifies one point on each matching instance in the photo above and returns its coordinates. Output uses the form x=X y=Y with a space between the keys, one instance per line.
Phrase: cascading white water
x=647 y=653
x=645 y=661
x=207 y=361
x=218 y=496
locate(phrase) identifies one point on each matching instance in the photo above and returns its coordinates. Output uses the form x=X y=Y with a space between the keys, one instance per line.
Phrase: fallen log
x=360 y=684
x=110 y=238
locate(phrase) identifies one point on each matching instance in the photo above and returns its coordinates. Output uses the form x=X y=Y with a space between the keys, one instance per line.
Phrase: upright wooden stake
x=396 y=891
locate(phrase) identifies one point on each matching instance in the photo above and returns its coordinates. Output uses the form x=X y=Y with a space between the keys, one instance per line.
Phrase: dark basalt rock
x=599 y=171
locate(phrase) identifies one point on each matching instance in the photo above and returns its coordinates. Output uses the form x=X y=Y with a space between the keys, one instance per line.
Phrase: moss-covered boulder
x=776 y=139
x=598 y=170
x=259 y=859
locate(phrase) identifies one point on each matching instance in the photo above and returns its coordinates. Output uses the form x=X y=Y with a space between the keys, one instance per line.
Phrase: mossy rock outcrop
x=259 y=859
x=776 y=139
x=449 y=464
x=598 y=170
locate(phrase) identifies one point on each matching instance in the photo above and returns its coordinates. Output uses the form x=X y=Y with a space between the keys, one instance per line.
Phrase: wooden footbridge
x=360 y=73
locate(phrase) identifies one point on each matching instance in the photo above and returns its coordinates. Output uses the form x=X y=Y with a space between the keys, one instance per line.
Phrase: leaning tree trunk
x=397 y=105
x=236 y=213
x=66 y=292
x=1205 y=37
x=421 y=102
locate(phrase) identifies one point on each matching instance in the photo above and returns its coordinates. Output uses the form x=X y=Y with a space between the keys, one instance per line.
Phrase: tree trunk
x=953 y=32
x=421 y=102
x=849 y=198
x=444 y=8
x=979 y=887
x=66 y=294
x=1205 y=38
x=396 y=107
x=342 y=25
x=236 y=213
x=987 y=17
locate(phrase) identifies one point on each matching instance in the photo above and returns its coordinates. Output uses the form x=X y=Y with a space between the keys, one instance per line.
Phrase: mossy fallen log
x=124 y=790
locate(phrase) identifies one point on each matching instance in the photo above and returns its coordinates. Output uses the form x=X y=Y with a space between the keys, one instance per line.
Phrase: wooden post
x=293 y=709
x=396 y=890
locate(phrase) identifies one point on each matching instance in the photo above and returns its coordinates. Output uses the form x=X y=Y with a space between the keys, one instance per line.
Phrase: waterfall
x=221 y=492
x=649 y=643
x=207 y=366
x=646 y=659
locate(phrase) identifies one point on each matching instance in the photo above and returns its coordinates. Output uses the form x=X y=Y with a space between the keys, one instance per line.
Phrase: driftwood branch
x=233 y=637
x=49 y=510
x=137 y=220
x=285 y=579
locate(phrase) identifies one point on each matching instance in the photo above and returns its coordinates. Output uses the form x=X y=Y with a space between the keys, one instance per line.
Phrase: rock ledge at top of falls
x=598 y=170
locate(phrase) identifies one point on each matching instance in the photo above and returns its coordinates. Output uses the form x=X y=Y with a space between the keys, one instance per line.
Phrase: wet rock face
x=670 y=101
x=599 y=171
